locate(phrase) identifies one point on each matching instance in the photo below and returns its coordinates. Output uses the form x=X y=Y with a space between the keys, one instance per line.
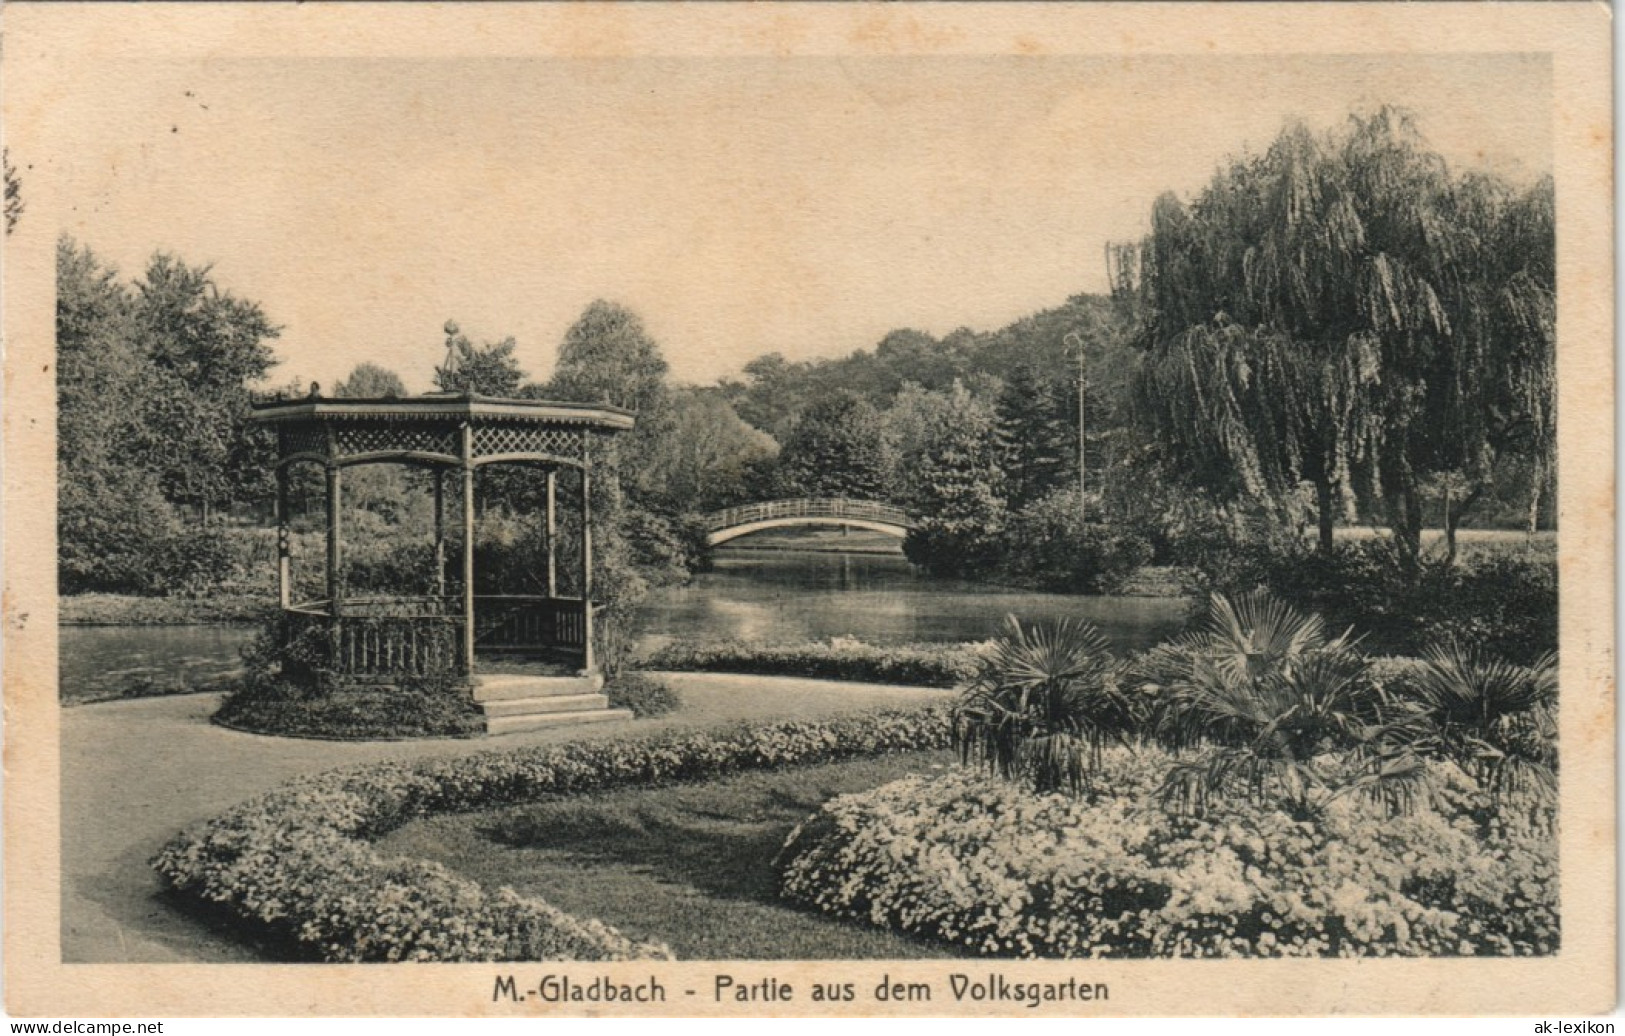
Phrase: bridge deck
x=811 y=508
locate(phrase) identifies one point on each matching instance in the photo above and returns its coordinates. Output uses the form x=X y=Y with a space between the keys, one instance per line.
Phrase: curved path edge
x=136 y=772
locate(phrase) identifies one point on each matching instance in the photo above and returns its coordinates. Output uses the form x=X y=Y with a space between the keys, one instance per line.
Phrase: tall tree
x=110 y=514
x=608 y=357
x=955 y=483
x=487 y=370
x=370 y=381
x=772 y=395
x=838 y=448
x=1344 y=311
x=707 y=454
x=1039 y=428
x=206 y=347
x=152 y=395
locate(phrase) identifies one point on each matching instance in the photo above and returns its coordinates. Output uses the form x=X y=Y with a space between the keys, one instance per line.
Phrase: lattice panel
x=395 y=435
x=490 y=440
x=301 y=439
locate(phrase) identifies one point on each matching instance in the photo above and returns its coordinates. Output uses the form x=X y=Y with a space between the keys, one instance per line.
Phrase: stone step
x=550 y=703
x=503 y=686
x=537 y=721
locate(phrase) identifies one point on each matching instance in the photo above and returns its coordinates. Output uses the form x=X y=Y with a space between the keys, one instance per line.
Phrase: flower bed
x=921 y=665
x=296 y=863
x=983 y=864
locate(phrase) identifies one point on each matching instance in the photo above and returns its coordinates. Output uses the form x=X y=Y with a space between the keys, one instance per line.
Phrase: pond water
x=761 y=595
x=105 y=661
x=879 y=598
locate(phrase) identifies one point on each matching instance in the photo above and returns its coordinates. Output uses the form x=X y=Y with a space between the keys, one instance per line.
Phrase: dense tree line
x=976 y=433
x=1338 y=329
x=153 y=386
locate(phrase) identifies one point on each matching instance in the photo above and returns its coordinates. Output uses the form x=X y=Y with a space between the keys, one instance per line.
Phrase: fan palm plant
x=1496 y=720
x=1042 y=706
x=1272 y=706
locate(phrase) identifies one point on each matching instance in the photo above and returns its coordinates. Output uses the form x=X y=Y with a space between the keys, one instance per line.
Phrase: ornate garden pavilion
x=380 y=637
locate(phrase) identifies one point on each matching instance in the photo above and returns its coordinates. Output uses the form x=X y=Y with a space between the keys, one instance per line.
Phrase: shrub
x=645 y=695
x=410 y=708
x=123 y=537
x=955 y=547
x=376 y=564
x=1052 y=546
x=192 y=561
x=295 y=864
x=286 y=660
x=288 y=688
x=1506 y=604
x=1502 y=601
x=924 y=665
x=986 y=865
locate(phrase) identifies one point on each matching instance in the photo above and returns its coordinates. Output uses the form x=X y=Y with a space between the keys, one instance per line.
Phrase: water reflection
x=808 y=595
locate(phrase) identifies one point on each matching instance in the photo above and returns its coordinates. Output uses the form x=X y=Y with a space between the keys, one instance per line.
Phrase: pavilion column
x=586 y=567
x=335 y=539
x=440 y=536
x=468 y=547
x=284 y=542
x=552 y=533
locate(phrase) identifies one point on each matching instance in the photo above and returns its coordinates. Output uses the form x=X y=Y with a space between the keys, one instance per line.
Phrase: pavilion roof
x=445 y=408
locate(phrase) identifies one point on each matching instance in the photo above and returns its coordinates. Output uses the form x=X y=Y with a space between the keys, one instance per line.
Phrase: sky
x=740 y=206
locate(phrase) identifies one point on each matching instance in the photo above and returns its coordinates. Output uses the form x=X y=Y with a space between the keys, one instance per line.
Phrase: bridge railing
x=809 y=507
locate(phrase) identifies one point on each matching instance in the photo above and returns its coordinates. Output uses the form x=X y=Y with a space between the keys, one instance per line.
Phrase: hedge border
x=912 y=665
x=297 y=864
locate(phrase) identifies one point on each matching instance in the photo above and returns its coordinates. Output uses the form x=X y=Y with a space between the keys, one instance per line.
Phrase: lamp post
x=1075 y=340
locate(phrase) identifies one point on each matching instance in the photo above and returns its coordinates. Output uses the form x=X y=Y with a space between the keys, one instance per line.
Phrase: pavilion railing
x=394 y=645
x=376 y=638
x=516 y=623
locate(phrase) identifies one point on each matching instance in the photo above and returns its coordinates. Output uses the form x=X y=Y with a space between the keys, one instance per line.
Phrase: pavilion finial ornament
x=449 y=367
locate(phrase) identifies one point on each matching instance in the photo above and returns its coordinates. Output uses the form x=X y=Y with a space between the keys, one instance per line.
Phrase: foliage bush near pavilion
x=287 y=689
x=644 y=694
x=296 y=864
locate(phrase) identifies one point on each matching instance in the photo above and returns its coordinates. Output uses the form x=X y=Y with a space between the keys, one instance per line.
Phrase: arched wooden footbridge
x=733 y=522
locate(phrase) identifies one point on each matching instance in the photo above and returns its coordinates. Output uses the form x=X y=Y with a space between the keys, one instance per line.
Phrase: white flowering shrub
x=297 y=864
x=984 y=864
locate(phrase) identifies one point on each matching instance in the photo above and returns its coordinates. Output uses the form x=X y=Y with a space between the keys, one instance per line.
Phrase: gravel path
x=136 y=772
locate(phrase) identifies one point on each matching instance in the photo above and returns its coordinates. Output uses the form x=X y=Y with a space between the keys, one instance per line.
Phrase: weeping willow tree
x=1343 y=311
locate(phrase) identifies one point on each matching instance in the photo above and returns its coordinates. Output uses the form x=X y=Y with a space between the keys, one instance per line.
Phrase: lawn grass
x=688 y=864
